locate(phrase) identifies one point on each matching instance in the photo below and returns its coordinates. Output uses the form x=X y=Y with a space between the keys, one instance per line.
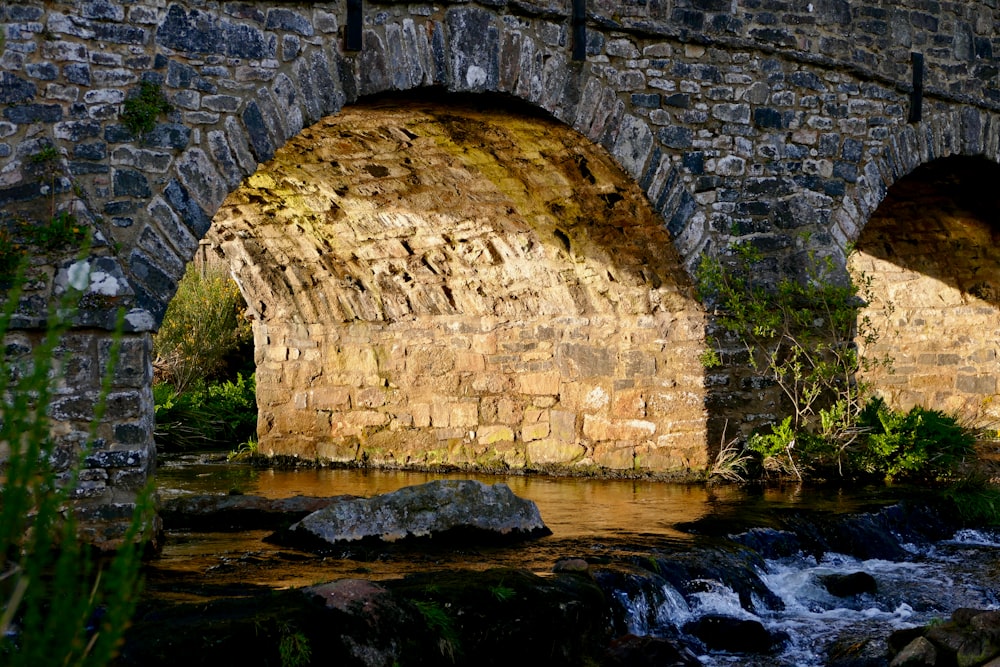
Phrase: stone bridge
x=466 y=231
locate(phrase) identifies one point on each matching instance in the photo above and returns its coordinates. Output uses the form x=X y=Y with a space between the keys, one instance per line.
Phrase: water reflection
x=588 y=518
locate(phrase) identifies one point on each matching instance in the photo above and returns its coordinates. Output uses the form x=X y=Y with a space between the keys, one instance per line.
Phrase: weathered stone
x=439 y=509
x=918 y=653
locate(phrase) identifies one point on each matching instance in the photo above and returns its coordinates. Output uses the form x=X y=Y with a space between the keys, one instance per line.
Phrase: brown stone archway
x=464 y=285
x=930 y=248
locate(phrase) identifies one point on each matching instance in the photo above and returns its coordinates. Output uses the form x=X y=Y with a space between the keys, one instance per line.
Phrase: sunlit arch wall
x=930 y=250
x=453 y=284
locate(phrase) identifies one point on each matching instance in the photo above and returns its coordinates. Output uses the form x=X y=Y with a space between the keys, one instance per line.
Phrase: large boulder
x=439 y=510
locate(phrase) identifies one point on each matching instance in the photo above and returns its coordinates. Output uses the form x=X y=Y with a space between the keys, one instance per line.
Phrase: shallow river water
x=612 y=520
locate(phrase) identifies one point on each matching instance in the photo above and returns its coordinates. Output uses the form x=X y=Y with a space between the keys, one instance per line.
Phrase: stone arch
x=945 y=131
x=458 y=307
x=928 y=244
x=451 y=55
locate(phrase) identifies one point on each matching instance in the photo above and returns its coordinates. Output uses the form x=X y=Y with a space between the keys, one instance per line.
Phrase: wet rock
x=736 y=635
x=849 y=585
x=239 y=512
x=968 y=639
x=702 y=569
x=636 y=596
x=856 y=653
x=633 y=651
x=918 y=653
x=462 y=510
x=572 y=566
x=509 y=617
x=462 y=618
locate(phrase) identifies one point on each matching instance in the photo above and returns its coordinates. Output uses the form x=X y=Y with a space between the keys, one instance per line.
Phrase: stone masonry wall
x=587 y=393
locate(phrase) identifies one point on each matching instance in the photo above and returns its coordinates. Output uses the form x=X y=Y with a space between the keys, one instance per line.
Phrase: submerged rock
x=442 y=509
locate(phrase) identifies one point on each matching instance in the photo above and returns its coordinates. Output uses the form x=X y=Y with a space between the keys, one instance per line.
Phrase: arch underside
x=464 y=285
x=930 y=249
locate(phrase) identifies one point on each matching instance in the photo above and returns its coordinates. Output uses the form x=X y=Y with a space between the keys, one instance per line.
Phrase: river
x=624 y=520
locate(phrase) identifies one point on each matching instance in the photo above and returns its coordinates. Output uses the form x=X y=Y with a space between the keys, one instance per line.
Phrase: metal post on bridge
x=579 y=25
x=917 y=94
x=353 y=29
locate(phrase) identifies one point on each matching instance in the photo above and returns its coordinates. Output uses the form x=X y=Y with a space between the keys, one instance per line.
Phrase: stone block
x=421 y=414
x=340 y=427
x=553 y=451
x=535 y=431
x=492 y=383
x=369 y=397
x=469 y=362
x=440 y=412
x=628 y=404
x=337 y=451
x=562 y=424
x=493 y=434
x=536 y=384
x=614 y=456
x=586 y=361
x=584 y=396
x=977 y=384
x=601 y=428
x=464 y=414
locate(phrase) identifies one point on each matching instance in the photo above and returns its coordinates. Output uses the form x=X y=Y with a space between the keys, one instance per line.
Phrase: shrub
x=920 y=443
x=203 y=326
x=806 y=336
x=207 y=416
x=60 y=605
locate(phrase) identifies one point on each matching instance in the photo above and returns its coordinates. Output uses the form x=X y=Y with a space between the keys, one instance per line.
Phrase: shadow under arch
x=464 y=281
x=930 y=250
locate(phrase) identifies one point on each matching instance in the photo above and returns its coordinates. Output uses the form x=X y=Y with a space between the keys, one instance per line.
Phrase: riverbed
x=613 y=521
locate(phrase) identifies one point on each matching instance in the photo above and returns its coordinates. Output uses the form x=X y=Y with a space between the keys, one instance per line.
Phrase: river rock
x=632 y=651
x=849 y=585
x=737 y=635
x=968 y=639
x=918 y=653
x=442 y=509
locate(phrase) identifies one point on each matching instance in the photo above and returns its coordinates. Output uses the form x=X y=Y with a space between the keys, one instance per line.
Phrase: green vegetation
x=209 y=415
x=203 y=328
x=60 y=604
x=293 y=647
x=440 y=624
x=142 y=108
x=920 y=443
x=20 y=237
x=976 y=500
x=201 y=403
x=502 y=593
x=806 y=337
